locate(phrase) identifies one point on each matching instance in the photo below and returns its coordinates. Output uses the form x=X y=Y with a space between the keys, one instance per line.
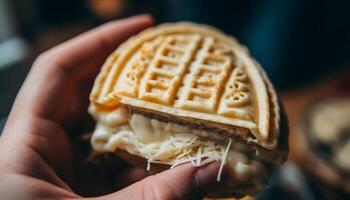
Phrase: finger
x=182 y=182
x=103 y=40
x=52 y=73
x=30 y=188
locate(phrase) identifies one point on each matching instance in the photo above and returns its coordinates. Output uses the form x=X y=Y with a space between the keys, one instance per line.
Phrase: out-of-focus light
x=107 y=9
x=12 y=51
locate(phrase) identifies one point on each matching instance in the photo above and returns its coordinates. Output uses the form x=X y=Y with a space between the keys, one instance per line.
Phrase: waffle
x=184 y=92
x=192 y=72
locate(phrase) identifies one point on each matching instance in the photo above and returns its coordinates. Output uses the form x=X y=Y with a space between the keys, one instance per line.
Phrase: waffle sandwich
x=183 y=92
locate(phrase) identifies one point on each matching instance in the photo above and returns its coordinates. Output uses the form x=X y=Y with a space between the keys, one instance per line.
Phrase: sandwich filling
x=170 y=144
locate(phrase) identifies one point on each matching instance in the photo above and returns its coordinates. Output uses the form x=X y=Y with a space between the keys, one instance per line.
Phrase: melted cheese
x=167 y=143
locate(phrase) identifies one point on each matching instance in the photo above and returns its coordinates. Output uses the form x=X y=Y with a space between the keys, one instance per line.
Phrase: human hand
x=39 y=159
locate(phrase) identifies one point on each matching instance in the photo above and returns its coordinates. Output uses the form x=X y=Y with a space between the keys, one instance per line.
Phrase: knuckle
x=50 y=60
x=42 y=58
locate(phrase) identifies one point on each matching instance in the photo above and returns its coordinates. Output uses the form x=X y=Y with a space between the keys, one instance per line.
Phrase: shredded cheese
x=148 y=165
x=199 y=153
x=174 y=144
x=223 y=160
x=174 y=150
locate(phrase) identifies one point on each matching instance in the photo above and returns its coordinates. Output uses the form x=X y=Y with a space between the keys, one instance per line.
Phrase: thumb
x=182 y=182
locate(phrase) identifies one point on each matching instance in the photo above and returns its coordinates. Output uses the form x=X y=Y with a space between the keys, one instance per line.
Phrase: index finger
x=89 y=45
x=50 y=73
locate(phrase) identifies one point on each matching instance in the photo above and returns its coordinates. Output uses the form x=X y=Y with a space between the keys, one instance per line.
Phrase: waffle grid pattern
x=189 y=72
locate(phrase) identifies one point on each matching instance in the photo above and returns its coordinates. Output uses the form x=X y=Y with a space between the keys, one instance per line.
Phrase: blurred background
x=303 y=45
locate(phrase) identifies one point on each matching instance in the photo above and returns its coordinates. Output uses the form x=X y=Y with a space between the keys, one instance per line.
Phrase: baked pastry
x=185 y=92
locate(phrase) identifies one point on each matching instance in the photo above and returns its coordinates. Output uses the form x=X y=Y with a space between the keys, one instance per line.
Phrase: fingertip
x=194 y=181
x=118 y=31
x=182 y=182
x=206 y=175
x=202 y=176
x=143 y=20
x=145 y=17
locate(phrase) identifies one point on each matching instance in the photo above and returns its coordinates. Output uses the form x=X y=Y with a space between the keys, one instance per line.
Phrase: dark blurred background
x=296 y=41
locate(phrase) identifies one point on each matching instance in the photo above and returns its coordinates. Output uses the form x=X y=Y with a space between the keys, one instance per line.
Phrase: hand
x=39 y=155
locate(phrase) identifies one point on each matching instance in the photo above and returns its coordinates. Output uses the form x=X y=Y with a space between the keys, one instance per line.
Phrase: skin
x=40 y=157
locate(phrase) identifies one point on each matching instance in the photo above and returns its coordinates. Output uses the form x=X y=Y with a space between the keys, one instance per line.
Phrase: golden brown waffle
x=193 y=72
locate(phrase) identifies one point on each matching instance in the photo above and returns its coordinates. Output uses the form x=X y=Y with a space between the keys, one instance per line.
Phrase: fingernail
x=206 y=175
x=145 y=16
